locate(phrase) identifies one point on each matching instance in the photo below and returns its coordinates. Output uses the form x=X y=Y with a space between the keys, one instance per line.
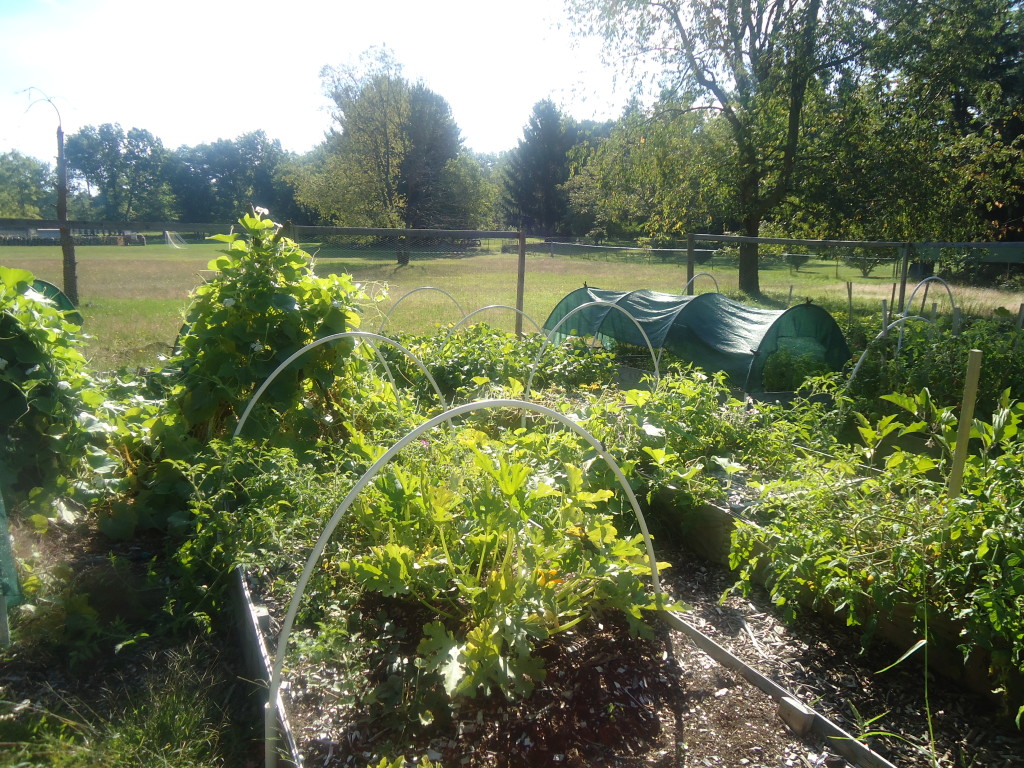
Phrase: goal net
x=174 y=240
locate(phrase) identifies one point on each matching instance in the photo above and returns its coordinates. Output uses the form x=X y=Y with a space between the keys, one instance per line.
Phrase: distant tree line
x=846 y=119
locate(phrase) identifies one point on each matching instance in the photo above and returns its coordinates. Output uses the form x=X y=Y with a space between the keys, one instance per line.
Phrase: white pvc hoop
x=933 y=278
x=882 y=334
x=701 y=274
x=573 y=311
x=484 y=309
x=270 y=713
x=910 y=303
x=394 y=306
x=370 y=338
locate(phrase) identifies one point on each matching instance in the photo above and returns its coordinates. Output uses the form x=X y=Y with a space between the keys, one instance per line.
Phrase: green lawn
x=133 y=298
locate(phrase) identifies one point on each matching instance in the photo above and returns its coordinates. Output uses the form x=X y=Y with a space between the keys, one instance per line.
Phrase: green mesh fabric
x=8 y=573
x=710 y=330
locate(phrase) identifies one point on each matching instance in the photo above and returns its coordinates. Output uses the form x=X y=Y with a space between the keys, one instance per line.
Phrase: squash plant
x=264 y=304
x=53 y=437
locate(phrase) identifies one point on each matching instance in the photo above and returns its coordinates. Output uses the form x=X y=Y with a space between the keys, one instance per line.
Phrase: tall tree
x=657 y=176
x=535 y=172
x=395 y=158
x=26 y=187
x=353 y=178
x=219 y=181
x=124 y=170
x=752 y=62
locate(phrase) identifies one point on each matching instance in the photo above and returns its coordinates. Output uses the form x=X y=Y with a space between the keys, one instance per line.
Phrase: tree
x=752 y=62
x=215 y=182
x=657 y=175
x=396 y=157
x=26 y=187
x=534 y=197
x=123 y=170
x=921 y=143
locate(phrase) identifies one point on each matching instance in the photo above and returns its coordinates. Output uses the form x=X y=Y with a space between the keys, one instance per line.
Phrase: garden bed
x=707 y=532
x=613 y=699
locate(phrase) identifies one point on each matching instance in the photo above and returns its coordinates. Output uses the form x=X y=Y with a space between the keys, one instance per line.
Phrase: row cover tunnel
x=709 y=330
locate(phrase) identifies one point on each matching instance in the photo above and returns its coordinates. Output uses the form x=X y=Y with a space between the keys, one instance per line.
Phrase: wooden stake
x=963 y=432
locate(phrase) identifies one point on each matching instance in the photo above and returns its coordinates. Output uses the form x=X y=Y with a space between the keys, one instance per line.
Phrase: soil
x=610 y=699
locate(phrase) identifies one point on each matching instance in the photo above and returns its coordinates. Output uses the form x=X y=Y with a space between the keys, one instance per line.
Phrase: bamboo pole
x=849 y=305
x=963 y=432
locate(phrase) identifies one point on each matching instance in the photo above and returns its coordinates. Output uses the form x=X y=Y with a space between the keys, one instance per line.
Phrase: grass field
x=133 y=298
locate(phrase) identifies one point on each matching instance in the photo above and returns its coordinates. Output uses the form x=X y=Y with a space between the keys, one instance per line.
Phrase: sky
x=194 y=71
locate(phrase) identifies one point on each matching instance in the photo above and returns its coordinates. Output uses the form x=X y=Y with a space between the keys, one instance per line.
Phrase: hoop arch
x=910 y=303
x=270 y=713
x=484 y=309
x=394 y=306
x=611 y=305
x=701 y=274
x=882 y=334
x=358 y=335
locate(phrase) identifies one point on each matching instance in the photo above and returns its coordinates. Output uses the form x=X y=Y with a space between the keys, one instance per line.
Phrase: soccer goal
x=174 y=240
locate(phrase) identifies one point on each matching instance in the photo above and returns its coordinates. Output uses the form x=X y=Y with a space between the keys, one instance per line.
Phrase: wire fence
x=402 y=246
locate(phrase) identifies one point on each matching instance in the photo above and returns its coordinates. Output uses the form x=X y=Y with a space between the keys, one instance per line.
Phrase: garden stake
x=849 y=306
x=963 y=432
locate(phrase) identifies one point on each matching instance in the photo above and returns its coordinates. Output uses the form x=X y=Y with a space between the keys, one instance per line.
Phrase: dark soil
x=610 y=699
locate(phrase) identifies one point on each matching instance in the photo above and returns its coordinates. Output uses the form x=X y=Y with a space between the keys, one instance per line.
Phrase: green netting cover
x=59 y=299
x=8 y=573
x=709 y=330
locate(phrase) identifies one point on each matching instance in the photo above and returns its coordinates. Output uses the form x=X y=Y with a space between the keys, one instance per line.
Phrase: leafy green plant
x=786 y=370
x=54 y=446
x=264 y=304
x=865 y=543
x=465 y=361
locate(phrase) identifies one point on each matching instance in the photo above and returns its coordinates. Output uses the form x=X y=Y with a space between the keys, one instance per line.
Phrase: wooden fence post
x=521 y=283
x=905 y=253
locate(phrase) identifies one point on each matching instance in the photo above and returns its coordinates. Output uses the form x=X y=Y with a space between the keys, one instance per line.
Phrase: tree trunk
x=749 y=278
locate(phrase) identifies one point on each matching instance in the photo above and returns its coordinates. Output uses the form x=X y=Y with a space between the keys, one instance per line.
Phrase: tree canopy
x=26 y=187
x=124 y=170
x=395 y=158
